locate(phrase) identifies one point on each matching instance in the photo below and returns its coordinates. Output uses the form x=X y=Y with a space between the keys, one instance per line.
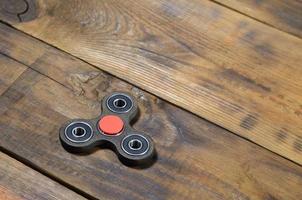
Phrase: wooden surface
x=234 y=65
x=282 y=14
x=9 y=73
x=19 y=182
x=223 y=66
x=196 y=158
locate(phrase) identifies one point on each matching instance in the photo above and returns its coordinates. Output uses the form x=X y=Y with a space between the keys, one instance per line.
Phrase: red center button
x=111 y=125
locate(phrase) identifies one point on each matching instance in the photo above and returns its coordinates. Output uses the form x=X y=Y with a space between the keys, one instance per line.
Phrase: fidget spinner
x=111 y=129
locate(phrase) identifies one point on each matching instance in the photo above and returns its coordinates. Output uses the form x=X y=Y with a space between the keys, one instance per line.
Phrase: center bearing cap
x=111 y=125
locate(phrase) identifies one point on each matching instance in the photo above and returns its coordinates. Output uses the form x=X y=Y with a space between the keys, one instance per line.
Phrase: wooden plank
x=214 y=62
x=284 y=15
x=19 y=182
x=195 y=158
x=9 y=73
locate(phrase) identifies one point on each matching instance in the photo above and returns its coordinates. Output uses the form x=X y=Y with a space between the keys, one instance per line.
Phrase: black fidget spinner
x=111 y=129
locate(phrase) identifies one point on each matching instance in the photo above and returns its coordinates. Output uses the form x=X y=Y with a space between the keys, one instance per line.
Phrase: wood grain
x=284 y=15
x=19 y=182
x=196 y=159
x=9 y=73
x=214 y=62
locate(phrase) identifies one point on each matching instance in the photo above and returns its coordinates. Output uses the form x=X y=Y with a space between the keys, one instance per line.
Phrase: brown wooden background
x=219 y=86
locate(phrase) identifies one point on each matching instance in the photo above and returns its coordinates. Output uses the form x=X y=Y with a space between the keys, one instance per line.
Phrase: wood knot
x=83 y=84
x=16 y=11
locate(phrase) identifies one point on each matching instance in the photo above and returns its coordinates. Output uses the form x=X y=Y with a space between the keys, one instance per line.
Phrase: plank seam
x=32 y=68
x=253 y=18
x=12 y=84
x=46 y=173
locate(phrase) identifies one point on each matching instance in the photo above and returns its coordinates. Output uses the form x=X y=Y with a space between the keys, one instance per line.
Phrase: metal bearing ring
x=135 y=145
x=119 y=103
x=78 y=132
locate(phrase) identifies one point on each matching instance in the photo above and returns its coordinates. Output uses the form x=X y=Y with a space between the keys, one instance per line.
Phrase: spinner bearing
x=111 y=129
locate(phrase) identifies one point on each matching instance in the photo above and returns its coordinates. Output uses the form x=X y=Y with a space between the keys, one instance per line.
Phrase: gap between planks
x=22 y=172
x=257 y=19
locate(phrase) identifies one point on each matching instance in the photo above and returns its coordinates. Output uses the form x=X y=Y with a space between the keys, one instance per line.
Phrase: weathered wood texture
x=196 y=159
x=19 y=182
x=285 y=15
x=234 y=71
x=9 y=73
